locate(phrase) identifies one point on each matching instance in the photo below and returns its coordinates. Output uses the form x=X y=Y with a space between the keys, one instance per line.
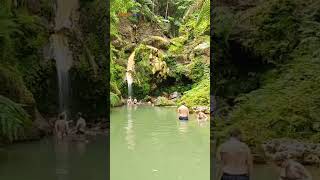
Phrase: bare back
x=61 y=126
x=183 y=111
x=235 y=158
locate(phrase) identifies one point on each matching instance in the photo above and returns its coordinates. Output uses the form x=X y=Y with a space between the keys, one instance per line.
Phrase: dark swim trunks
x=183 y=118
x=226 y=176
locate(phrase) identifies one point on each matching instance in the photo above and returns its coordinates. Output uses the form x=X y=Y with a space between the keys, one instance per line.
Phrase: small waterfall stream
x=63 y=58
x=130 y=70
x=65 y=19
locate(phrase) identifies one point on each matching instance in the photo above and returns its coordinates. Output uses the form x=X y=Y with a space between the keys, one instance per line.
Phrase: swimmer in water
x=290 y=169
x=183 y=112
x=202 y=116
x=61 y=126
x=235 y=158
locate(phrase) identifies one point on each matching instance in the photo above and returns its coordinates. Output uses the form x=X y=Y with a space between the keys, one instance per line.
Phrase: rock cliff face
x=162 y=64
x=50 y=30
x=267 y=70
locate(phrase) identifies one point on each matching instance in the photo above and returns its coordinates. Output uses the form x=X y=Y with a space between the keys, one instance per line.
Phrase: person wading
x=183 y=112
x=201 y=116
x=290 y=169
x=235 y=159
x=61 y=126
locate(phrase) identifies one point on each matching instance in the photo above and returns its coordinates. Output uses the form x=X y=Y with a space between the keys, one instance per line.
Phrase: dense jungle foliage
x=28 y=78
x=267 y=69
x=169 y=42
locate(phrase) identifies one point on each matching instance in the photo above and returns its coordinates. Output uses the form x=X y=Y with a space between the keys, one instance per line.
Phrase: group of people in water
x=61 y=126
x=131 y=101
x=183 y=110
x=236 y=162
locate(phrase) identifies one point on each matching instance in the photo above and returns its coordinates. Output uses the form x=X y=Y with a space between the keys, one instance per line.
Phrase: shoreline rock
x=305 y=153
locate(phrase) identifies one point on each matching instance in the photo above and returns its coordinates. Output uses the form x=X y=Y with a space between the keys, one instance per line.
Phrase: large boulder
x=204 y=109
x=163 y=101
x=175 y=95
x=306 y=153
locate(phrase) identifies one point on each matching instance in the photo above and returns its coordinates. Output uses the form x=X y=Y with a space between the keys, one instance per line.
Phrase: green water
x=149 y=143
x=47 y=160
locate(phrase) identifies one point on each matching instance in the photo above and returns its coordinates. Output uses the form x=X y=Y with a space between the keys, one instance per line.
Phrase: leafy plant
x=13 y=119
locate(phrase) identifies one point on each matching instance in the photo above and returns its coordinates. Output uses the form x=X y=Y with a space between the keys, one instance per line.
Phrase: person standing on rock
x=290 y=169
x=61 y=126
x=81 y=125
x=183 y=112
x=234 y=158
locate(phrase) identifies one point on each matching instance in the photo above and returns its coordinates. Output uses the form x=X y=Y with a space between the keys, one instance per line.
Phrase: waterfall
x=65 y=17
x=129 y=81
x=63 y=58
x=130 y=70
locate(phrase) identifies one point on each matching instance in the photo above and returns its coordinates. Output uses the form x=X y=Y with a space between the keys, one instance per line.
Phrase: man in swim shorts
x=235 y=159
x=61 y=126
x=183 y=112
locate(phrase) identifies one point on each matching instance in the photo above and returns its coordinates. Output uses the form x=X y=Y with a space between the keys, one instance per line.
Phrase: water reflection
x=81 y=147
x=62 y=159
x=129 y=130
x=183 y=126
x=202 y=123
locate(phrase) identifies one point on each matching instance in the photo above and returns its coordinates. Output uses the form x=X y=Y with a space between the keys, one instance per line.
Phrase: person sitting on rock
x=81 y=125
x=135 y=101
x=202 y=116
x=183 y=112
x=290 y=169
x=61 y=126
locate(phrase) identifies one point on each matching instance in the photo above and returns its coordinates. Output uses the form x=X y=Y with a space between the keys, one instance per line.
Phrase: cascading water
x=65 y=19
x=63 y=58
x=130 y=70
x=129 y=81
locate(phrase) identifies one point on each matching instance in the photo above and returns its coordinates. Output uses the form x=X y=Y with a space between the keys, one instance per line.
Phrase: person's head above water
x=235 y=133
x=183 y=104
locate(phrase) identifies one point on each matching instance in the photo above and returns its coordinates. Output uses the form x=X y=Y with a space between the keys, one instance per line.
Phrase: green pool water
x=48 y=160
x=149 y=143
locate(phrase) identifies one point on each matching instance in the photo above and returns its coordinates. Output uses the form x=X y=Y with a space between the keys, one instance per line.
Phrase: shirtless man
x=81 y=125
x=61 y=126
x=183 y=112
x=235 y=159
x=129 y=101
x=290 y=169
x=202 y=116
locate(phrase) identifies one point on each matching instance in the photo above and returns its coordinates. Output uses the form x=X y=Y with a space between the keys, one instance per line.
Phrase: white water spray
x=130 y=70
x=66 y=17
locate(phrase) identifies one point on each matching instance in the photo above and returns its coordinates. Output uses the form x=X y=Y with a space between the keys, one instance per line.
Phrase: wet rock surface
x=305 y=153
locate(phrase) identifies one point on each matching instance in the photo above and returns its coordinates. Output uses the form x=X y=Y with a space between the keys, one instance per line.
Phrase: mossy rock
x=163 y=101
